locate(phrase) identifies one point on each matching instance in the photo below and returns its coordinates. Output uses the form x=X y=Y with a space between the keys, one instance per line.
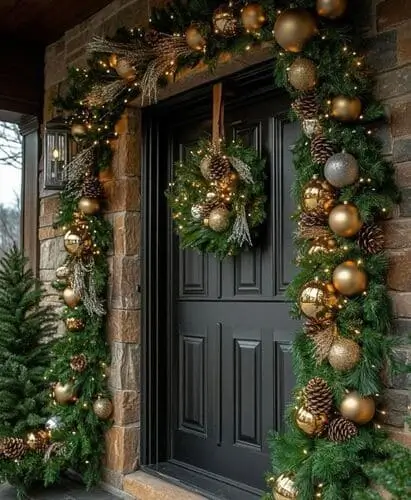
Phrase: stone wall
x=389 y=23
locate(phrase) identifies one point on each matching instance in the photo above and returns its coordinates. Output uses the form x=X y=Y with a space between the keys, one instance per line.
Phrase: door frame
x=157 y=319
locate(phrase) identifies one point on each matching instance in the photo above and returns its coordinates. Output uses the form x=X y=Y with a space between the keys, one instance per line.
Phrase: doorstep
x=143 y=486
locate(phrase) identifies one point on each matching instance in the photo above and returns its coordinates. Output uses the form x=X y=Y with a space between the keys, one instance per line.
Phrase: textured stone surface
x=126 y=407
x=393 y=12
x=397 y=233
x=382 y=51
x=400 y=119
x=127 y=233
x=399 y=276
x=126 y=281
x=394 y=83
x=397 y=402
x=402 y=149
x=125 y=366
x=403 y=174
x=404 y=43
x=67 y=491
x=121 y=445
x=402 y=304
x=124 y=325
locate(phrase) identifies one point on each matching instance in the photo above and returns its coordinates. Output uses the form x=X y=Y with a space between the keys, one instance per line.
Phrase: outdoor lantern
x=57 y=152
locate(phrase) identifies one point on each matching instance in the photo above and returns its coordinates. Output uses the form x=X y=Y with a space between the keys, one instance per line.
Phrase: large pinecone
x=340 y=429
x=306 y=107
x=12 y=448
x=371 y=238
x=319 y=398
x=311 y=219
x=78 y=363
x=208 y=206
x=312 y=327
x=92 y=188
x=219 y=167
x=321 y=149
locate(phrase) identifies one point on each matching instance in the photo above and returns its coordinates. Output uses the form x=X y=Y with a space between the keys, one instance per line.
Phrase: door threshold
x=202 y=482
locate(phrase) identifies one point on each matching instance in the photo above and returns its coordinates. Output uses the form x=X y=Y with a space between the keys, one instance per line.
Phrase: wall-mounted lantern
x=57 y=152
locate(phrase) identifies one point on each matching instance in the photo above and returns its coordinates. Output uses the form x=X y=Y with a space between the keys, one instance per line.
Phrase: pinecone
x=371 y=238
x=321 y=149
x=319 y=398
x=92 y=188
x=219 y=167
x=13 y=448
x=313 y=327
x=208 y=206
x=306 y=107
x=340 y=429
x=311 y=219
x=78 y=363
x=151 y=37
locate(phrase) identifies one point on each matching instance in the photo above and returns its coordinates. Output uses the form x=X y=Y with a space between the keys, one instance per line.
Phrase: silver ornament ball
x=54 y=423
x=341 y=170
x=196 y=212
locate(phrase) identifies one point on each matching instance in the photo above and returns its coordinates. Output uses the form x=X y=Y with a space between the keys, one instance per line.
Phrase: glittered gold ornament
x=311 y=127
x=359 y=409
x=38 y=440
x=70 y=298
x=318 y=196
x=78 y=131
x=284 y=488
x=224 y=21
x=194 y=38
x=302 y=74
x=77 y=241
x=88 y=206
x=318 y=300
x=349 y=279
x=125 y=69
x=331 y=8
x=344 y=220
x=311 y=424
x=63 y=272
x=294 y=28
x=346 y=109
x=64 y=393
x=322 y=244
x=344 y=354
x=196 y=212
x=103 y=408
x=74 y=324
x=252 y=17
x=219 y=219
x=341 y=170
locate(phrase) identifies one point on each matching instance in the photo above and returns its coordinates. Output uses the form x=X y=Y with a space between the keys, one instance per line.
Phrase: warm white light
x=56 y=154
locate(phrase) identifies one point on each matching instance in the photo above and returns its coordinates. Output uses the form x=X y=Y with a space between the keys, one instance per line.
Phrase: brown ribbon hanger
x=218 y=115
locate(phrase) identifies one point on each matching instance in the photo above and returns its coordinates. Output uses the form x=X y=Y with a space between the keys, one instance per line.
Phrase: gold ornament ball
x=311 y=424
x=318 y=300
x=219 y=219
x=70 y=298
x=344 y=220
x=37 y=440
x=359 y=409
x=331 y=8
x=302 y=74
x=125 y=69
x=64 y=393
x=346 y=109
x=252 y=17
x=224 y=21
x=63 y=272
x=103 y=408
x=74 y=324
x=284 y=488
x=294 y=28
x=322 y=244
x=78 y=130
x=89 y=206
x=112 y=61
x=77 y=241
x=344 y=354
x=349 y=279
x=318 y=196
x=194 y=38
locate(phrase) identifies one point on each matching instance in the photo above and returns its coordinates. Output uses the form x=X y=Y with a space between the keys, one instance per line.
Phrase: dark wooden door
x=232 y=334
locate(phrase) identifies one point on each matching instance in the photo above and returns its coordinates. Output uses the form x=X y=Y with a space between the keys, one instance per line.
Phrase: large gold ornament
x=318 y=196
x=219 y=219
x=302 y=74
x=344 y=220
x=252 y=17
x=331 y=8
x=89 y=206
x=224 y=21
x=70 y=298
x=284 y=488
x=344 y=354
x=103 y=408
x=318 y=300
x=359 y=409
x=38 y=440
x=64 y=394
x=322 y=244
x=346 y=109
x=294 y=28
x=311 y=424
x=125 y=69
x=349 y=279
x=194 y=38
x=77 y=241
x=74 y=324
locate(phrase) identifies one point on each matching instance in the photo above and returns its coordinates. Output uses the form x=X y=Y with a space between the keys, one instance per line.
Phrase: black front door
x=231 y=334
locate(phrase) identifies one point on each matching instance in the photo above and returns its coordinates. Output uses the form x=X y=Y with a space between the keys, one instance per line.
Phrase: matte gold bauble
x=311 y=424
x=252 y=17
x=322 y=245
x=74 y=324
x=344 y=220
x=331 y=8
x=125 y=69
x=64 y=394
x=224 y=21
x=70 y=298
x=219 y=219
x=78 y=130
x=89 y=206
x=103 y=408
x=63 y=272
x=344 y=354
x=194 y=38
x=284 y=488
x=294 y=28
x=346 y=109
x=349 y=279
x=318 y=300
x=359 y=409
x=302 y=74
x=318 y=196
x=37 y=440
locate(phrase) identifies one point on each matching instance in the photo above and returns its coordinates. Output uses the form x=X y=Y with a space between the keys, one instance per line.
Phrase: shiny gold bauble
x=311 y=424
x=224 y=21
x=349 y=279
x=322 y=245
x=359 y=409
x=63 y=272
x=318 y=300
x=302 y=74
x=78 y=130
x=318 y=196
x=284 y=488
x=294 y=28
x=252 y=17
x=112 y=61
x=346 y=109
x=125 y=69
x=103 y=408
x=64 y=394
x=331 y=8
x=37 y=440
x=344 y=354
x=70 y=298
x=89 y=206
x=77 y=241
x=344 y=220
x=194 y=38
x=219 y=219
x=74 y=324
